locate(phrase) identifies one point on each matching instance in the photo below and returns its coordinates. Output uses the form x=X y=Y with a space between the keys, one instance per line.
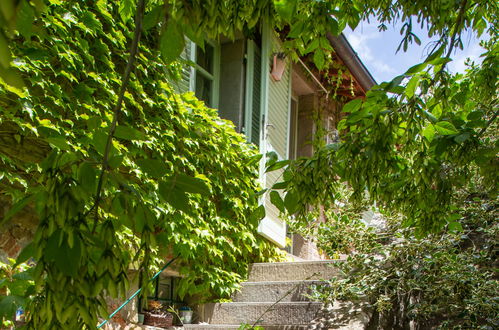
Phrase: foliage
x=411 y=144
x=16 y=285
x=179 y=180
x=343 y=235
x=414 y=147
x=441 y=281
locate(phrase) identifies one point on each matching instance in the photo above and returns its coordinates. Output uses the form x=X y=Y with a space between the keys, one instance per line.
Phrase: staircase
x=269 y=282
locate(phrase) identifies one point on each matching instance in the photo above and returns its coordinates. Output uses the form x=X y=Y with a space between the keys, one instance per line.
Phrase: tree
x=116 y=183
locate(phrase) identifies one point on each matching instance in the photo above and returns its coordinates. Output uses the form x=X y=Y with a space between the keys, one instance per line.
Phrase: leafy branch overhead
x=414 y=141
x=162 y=194
x=124 y=174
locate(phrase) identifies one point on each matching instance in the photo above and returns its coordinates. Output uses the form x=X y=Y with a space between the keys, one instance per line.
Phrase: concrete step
x=273 y=291
x=293 y=271
x=283 y=313
x=232 y=326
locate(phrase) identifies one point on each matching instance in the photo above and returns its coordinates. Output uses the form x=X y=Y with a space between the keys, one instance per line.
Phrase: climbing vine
x=179 y=180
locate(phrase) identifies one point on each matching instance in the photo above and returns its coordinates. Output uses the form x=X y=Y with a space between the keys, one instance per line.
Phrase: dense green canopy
x=118 y=166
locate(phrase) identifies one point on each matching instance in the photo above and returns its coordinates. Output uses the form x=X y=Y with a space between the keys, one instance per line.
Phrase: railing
x=135 y=294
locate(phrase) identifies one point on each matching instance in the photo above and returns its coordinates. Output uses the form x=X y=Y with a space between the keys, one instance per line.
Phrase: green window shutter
x=183 y=85
x=279 y=97
x=257 y=94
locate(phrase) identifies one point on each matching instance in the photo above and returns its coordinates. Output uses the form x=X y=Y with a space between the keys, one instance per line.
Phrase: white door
x=272 y=126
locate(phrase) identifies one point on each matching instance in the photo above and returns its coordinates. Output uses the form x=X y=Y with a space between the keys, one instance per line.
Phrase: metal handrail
x=134 y=295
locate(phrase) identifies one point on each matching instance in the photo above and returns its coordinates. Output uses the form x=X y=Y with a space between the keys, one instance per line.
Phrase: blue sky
x=377 y=50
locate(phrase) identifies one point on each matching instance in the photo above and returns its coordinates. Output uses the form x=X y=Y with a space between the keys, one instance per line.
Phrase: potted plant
x=185 y=315
x=156 y=316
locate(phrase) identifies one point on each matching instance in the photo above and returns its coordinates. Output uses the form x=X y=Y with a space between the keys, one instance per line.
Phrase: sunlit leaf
x=172 y=42
x=445 y=128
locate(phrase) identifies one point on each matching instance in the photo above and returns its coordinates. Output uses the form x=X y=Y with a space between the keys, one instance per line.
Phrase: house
x=268 y=98
x=272 y=101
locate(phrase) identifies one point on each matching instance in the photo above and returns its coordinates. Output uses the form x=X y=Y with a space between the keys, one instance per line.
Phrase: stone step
x=273 y=291
x=283 y=313
x=233 y=326
x=293 y=271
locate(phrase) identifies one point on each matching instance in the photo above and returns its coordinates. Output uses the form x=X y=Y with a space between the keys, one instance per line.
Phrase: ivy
x=178 y=180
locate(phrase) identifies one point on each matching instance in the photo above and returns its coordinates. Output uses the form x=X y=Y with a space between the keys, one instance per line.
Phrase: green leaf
x=275 y=198
x=430 y=117
x=445 y=128
x=153 y=167
x=410 y=89
x=296 y=29
x=153 y=17
x=94 y=122
x=280 y=185
x=392 y=85
x=415 y=69
x=99 y=141
x=277 y=165
x=115 y=161
x=129 y=133
x=291 y=201
x=462 y=137
x=258 y=214
x=429 y=132
x=172 y=42
x=175 y=197
x=66 y=259
x=436 y=54
x=319 y=59
x=87 y=176
x=440 y=60
x=189 y=184
x=58 y=142
x=9 y=305
x=286 y=9
x=126 y=9
x=271 y=158
x=5 y=56
x=455 y=227
x=24 y=19
x=334 y=28
x=352 y=106
x=12 y=79
x=312 y=46
x=475 y=115
x=27 y=252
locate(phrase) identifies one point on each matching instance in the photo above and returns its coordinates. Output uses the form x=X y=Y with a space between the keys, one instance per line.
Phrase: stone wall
x=17 y=232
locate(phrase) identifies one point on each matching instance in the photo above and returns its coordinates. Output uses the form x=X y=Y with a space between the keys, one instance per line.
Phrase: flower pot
x=140 y=318
x=186 y=316
x=163 y=320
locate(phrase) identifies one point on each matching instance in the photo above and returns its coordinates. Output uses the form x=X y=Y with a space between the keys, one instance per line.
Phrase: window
x=162 y=289
x=204 y=81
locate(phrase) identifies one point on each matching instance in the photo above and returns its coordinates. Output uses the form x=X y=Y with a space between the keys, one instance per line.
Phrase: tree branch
x=117 y=108
x=459 y=22
x=491 y=120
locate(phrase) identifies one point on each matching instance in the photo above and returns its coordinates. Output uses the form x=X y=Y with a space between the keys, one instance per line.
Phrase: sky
x=377 y=50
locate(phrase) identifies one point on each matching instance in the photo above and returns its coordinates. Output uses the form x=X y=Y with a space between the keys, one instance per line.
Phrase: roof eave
x=352 y=61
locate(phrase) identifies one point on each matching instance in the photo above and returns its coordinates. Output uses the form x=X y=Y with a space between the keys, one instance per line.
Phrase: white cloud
x=361 y=42
x=473 y=53
x=377 y=50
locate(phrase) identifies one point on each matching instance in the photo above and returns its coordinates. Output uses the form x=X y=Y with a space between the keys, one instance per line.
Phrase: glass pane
x=164 y=289
x=205 y=58
x=203 y=88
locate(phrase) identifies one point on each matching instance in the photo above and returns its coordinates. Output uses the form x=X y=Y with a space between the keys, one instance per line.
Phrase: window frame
x=197 y=69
